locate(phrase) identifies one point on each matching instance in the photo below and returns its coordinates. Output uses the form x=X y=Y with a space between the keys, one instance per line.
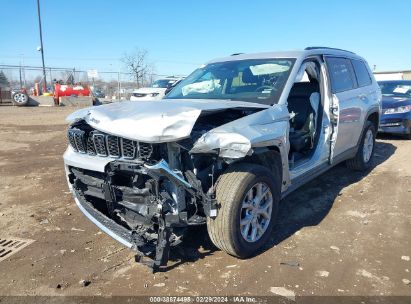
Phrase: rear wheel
x=20 y=99
x=249 y=196
x=363 y=159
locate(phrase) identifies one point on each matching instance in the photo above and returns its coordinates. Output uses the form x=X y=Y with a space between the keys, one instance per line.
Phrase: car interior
x=266 y=86
x=304 y=106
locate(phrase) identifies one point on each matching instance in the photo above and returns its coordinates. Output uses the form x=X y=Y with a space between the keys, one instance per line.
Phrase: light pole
x=22 y=72
x=119 y=83
x=41 y=47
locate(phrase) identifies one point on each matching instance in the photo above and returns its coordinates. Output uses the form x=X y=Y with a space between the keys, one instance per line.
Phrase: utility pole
x=41 y=48
x=22 y=72
x=21 y=82
x=118 y=85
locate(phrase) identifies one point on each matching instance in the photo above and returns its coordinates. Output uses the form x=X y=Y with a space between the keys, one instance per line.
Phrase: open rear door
x=334 y=115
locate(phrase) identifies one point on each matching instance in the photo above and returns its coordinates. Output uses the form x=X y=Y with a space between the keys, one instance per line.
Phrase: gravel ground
x=344 y=233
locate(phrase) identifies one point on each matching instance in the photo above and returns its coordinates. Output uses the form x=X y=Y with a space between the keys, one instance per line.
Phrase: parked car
x=156 y=91
x=396 y=107
x=222 y=149
x=98 y=93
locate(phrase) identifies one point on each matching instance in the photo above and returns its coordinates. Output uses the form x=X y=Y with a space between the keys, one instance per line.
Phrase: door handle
x=362 y=97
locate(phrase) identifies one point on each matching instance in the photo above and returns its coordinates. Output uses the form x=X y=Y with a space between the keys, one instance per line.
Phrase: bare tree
x=137 y=63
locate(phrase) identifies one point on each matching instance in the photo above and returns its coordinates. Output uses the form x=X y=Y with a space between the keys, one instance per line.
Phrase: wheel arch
x=269 y=157
x=374 y=117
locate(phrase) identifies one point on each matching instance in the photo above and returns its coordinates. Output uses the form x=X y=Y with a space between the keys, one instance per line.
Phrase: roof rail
x=236 y=54
x=325 y=48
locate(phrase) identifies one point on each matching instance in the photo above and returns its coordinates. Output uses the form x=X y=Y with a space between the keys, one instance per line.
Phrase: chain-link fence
x=110 y=84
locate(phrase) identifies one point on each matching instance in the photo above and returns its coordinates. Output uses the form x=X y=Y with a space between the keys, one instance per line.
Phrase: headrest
x=248 y=76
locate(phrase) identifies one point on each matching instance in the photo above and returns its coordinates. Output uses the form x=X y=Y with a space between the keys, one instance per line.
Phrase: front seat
x=250 y=82
x=303 y=101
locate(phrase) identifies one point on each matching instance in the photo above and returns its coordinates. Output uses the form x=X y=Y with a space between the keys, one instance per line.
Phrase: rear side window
x=341 y=74
x=361 y=71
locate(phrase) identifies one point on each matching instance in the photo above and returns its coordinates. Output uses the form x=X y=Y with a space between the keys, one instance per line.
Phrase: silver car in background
x=156 y=91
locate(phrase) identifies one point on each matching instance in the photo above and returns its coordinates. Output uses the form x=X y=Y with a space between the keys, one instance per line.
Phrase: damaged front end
x=137 y=202
x=147 y=194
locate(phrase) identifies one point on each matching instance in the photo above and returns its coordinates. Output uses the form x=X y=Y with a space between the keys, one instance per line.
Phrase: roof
x=301 y=54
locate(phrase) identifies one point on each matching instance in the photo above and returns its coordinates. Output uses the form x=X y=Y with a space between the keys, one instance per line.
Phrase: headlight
x=402 y=109
x=139 y=95
x=154 y=94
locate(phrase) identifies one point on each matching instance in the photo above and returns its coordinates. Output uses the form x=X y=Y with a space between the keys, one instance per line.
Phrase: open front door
x=334 y=115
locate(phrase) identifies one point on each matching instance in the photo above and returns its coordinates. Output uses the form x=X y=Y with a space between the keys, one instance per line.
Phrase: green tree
x=4 y=82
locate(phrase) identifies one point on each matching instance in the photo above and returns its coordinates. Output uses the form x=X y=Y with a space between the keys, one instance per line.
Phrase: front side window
x=254 y=80
x=361 y=72
x=341 y=75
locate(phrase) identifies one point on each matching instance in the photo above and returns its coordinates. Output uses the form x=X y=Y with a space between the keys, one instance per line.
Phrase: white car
x=156 y=91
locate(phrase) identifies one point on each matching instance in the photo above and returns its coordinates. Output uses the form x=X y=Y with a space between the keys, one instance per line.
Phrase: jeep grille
x=100 y=144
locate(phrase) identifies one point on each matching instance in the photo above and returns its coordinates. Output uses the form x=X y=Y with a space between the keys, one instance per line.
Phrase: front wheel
x=249 y=195
x=363 y=159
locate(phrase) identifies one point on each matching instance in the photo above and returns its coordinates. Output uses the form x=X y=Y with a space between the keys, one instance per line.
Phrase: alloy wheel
x=256 y=211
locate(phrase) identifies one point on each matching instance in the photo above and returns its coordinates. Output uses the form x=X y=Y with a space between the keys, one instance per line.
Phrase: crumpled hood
x=153 y=122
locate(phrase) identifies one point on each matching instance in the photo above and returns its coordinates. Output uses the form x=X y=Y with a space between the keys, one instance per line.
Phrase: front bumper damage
x=147 y=219
x=107 y=225
x=395 y=123
x=144 y=172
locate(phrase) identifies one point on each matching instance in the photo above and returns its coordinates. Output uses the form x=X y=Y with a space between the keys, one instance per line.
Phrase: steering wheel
x=265 y=87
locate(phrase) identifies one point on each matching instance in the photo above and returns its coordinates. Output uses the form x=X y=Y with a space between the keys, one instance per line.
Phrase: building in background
x=393 y=75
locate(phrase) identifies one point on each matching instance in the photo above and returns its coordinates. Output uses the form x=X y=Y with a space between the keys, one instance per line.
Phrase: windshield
x=256 y=80
x=396 y=89
x=163 y=83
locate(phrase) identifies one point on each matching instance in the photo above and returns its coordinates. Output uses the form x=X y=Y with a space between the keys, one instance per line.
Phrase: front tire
x=249 y=195
x=364 y=157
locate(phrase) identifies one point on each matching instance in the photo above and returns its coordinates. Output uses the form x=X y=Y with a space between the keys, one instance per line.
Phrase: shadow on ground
x=307 y=206
x=310 y=204
x=388 y=136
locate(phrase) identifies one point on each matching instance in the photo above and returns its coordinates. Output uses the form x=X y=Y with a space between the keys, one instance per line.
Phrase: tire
x=20 y=99
x=234 y=187
x=360 y=162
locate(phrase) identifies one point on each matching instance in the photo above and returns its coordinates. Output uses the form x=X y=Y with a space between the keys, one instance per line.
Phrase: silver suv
x=224 y=147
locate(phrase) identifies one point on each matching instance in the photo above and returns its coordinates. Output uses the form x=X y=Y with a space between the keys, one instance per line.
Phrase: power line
x=57 y=69
x=102 y=59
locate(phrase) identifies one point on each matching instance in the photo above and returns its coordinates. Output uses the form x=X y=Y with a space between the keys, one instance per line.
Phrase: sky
x=181 y=35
